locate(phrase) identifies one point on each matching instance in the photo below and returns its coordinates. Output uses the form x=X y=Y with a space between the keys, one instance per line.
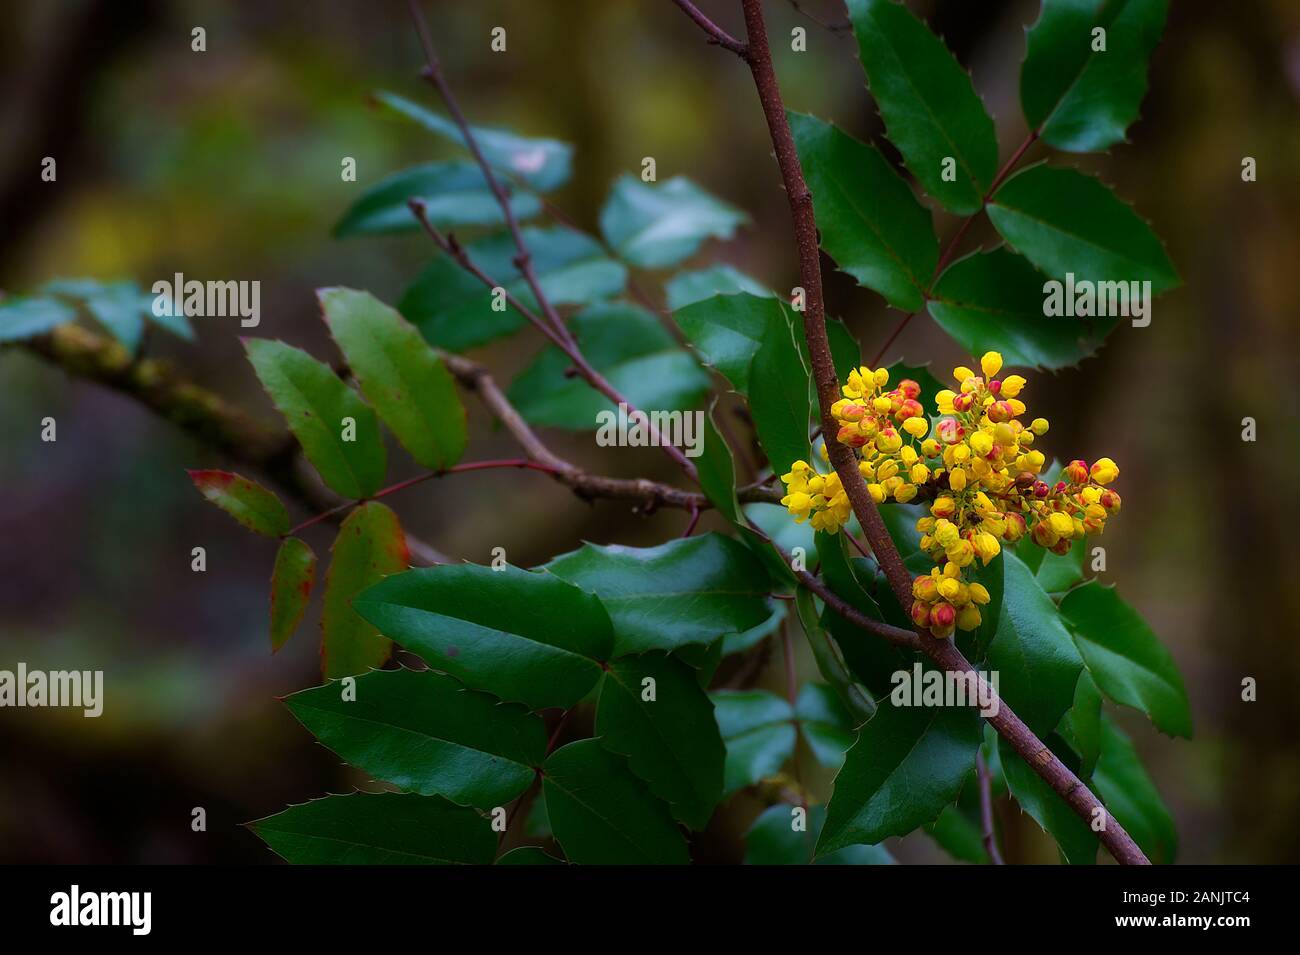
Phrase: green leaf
x=1068 y=223
x=453 y=193
x=1131 y=796
x=671 y=741
x=692 y=590
x=118 y=306
x=630 y=347
x=655 y=226
x=246 y=501
x=604 y=815
x=526 y=637
x=422 y=731
x=758 y=729
x=993 y=301
x=928 y=102
x=370 y=545
x=1057 y=573
x=717 y=469
x=727 y=331
x=1077 y=842
x=400 y=374
x=1081 y=724
x=27 y=317
x=907 y=765
x=747 y=639
x=871 y=223
x=857 y=703
x=528 y=855
x=773 y=840
x=1037 y=662
x=379 y=829
x=687 y=288
x=1125 y=658
x=1081 y=99
x=959 y=836
x=779 y=397
x=454 y=309
x=826 y=723
x=544 y=164
x=291 y=585
x=315 y=403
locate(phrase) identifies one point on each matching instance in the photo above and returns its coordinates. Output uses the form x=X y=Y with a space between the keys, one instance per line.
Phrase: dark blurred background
x=226 y=164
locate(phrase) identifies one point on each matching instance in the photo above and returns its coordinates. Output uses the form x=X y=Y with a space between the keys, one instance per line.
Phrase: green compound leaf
x=453 y=193
x=1077 y=842
x=871 y=223
x=291 y=585
x=1125 y=658
x=774 y=840
x=655 y=226
x=758 y=729
x=671 y=740
x=928 y=102
x=370 y=545
x=544 y=164
x=1067 y=223
x=455 y=310
x=1081 y=98
x=602 y=814
x=993 y=301
x=246 y=501
x=524 y=636
x=322 y=412
x=687 y=591
x=424 y=732
x=687 y=288
x=1131 y=796
x=27 y=317
x=630 y=347
x=379 y=829
x=400 y=374
x=779 y=397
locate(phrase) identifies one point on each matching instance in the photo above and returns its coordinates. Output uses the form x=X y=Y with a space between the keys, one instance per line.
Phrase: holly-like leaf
x=322 y=412
x=758 y=729
x=291 y=585
x=453 y=193
x=523 y=636
x=774 y=840
x=602 y=814
x=1081 y=724
x=687 y=288
x=402 y=376
x=528 y=855
x=1125 y=658
x=27 y=317
x=544 y=164
x=655 y=226
x=370 y=545
x=727 y=331
x=931 y=111
x=634 y=352
x=688 y=591
x=424 y=732
x=1131 y=796
x=826 y=724
x=779 y=397
x=871 y=223
x=246 y=501
x=1057 y=573
x=959 y=836
x=1082 y=90
x=456 y=311
x=717 y=470
x=653 y=710
x=379 y=829
x=1065 y=222
x=1077 y=842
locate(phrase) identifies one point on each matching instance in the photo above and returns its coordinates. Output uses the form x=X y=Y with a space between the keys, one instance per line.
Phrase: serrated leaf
x=1081 y=724
x=454 y=309
x=292 y=581
x=453 y=193
x=1081 y=99
x=687 y=591
x=758 y=729
x=871 y=223
x=826 y=724
x=1065 y=222
x=544 y=164
x=773 y=840
x=1125 y=658
x=315 y=403
x=379 y=829
x=602 y=814
x=655 y=226
x=370 y=544
x=779 y=397
x=525 y=637
x=634 y=352
x=400 y=374
x=928 y=102
x=959 y=836
x=727 y=331
x=687 y=288
x=257 y=508
x=424 y=732
x=1132 y=797
x=671 y=741
x=747 y=639
x=1077 y=842
x=716 y=469
x=27 y=317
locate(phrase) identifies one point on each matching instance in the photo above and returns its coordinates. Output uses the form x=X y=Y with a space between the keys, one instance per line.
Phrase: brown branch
x=717 y=35
x=986 y=809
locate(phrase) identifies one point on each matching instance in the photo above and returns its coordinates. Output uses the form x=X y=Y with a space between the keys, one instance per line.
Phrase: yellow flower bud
x=961 y=373
x=979 y=593
x=1011 y=386
x=987 y=547
x=968 y=618
x=1061 y=524
x=981 y=442
x=943 y=401
x=991 y=364
x=919 y=473
x=1038 y=426
x=882 y=377
x=1104 y=470
x=877 y=493
x=957 y=480
x=929 y=447
x=916 y=427
x=905 y=493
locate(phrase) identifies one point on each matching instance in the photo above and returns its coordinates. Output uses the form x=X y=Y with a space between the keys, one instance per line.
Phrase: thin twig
x=986 y=809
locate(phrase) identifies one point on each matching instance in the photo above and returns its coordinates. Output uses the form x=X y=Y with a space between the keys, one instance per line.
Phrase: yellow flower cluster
x=979 y=469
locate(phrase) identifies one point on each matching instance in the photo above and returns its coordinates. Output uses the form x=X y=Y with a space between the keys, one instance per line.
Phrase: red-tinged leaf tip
x=211 y=478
